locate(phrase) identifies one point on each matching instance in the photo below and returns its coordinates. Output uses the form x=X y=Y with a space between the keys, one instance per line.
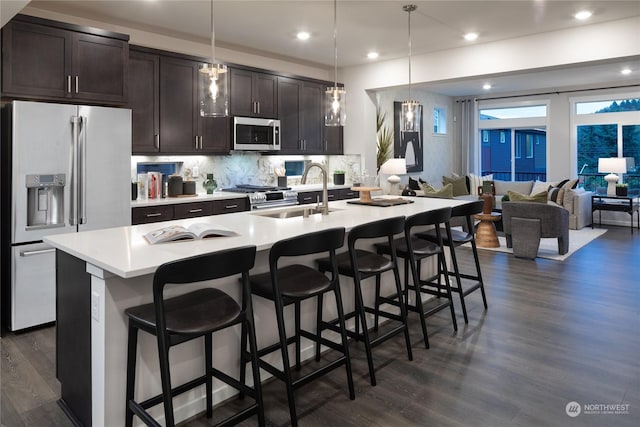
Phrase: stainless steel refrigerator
x=70 y=171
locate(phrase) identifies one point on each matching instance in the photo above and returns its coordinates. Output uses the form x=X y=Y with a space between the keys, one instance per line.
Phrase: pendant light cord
x=335 y=44
x=213 y=37
x=409 y=9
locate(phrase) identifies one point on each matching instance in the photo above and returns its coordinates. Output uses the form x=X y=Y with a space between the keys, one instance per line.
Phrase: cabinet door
x=99 y=66
x=240 y=92
x=289 y=111
x=265 y=94
x=36 y=61
x=178 y=105
x=144 y=74
x=253 y=94
x=215 y=135
x=312 y=121
x=333 y=140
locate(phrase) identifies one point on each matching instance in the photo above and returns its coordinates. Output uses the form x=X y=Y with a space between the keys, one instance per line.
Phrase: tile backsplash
x=252 y=168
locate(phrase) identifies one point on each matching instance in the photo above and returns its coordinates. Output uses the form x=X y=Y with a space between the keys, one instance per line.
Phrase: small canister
x=175 y=186
x=189 y=187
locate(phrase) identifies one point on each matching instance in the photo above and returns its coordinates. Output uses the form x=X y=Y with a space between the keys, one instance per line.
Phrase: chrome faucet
x=325 y=193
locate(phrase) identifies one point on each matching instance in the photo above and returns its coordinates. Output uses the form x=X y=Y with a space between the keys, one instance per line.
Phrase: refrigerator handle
x=73 y=172
x=82 y=184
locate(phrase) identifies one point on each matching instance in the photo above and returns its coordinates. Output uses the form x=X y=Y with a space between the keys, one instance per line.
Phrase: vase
x=621 y=191
x=210 y=183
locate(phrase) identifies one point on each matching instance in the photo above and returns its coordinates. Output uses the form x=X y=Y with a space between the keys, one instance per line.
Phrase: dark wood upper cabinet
x=214 y=135
x=45 y=60
x=333 y=139
x=144 y=84
x=253 y=94
x=300 y=103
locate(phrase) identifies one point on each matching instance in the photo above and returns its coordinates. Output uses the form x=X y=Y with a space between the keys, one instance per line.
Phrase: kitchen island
x=101 y=273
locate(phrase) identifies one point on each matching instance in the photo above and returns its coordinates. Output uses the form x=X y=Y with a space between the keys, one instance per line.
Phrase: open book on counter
x=199 y=230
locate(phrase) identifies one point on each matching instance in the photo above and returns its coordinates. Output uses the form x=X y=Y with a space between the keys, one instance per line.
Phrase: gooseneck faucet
x=325 y=193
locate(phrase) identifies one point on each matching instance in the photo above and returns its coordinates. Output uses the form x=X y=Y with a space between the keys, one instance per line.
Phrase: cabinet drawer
x=192 y=210
x=309 y=197
x=231 y=205
x=151 y=214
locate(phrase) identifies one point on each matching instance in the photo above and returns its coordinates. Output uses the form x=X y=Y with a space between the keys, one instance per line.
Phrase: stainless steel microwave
x=254 y=134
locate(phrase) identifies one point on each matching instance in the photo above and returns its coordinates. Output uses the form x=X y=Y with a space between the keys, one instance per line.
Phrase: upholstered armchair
x=525 y=223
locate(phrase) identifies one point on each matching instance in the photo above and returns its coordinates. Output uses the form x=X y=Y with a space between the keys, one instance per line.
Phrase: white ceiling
x=270 y=26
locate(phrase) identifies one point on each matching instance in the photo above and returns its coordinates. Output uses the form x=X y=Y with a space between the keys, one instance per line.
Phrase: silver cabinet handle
x=201 y=142
x=307 y=198
x=151 y=215
x=69 y=83
x=231 y=206
x=258 y=106
x=196 y=140
x=195 y=210
x=37 y=252
x=156 y=141
x=77 y=84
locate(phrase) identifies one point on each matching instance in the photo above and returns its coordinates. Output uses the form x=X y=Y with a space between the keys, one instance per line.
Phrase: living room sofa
x=576 y=201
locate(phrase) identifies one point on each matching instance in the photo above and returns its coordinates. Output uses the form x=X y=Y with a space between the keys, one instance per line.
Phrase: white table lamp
x=612 y=165
x=393 y=168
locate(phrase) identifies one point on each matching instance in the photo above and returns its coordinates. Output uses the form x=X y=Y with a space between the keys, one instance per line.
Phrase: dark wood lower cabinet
x=73 y=337
x=149 y=214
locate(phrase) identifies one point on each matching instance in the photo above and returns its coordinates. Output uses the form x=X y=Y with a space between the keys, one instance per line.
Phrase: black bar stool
x=361 y=264
x=458 y=238
x=195 y=314
x=292 y=284
x=413 y=250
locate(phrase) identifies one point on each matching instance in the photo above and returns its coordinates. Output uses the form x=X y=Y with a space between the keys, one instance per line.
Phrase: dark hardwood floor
x=555 y=332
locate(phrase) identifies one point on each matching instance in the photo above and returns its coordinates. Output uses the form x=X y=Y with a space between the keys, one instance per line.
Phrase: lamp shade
x=394 y=167
x=612 y=165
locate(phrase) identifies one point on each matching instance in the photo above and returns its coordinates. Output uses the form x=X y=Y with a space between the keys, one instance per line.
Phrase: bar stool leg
x=286 y=367
x=297 y=332
x=477 y=261
x=243 y=356
x=456 y=272
x=345 y=343
x=318 y=325
x=131 y=371
x=443 y=270
x=403 y=311
x=165 y=378
x=365 y=331
x=420 y=308
x=208 y=345
x=253 y=347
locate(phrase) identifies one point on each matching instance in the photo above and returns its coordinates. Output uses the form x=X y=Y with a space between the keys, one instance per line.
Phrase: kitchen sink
x=293 y=213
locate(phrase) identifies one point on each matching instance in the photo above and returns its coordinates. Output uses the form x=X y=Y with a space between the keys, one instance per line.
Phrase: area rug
x=549 y=247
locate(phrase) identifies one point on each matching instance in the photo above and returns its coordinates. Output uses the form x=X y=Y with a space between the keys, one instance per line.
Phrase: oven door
x=256 y=134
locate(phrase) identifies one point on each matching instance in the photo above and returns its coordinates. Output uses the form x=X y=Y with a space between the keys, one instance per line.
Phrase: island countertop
x=123 y=251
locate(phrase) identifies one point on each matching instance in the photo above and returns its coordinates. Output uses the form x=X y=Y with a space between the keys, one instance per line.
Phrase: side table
x=486 y=235
x=601 y=202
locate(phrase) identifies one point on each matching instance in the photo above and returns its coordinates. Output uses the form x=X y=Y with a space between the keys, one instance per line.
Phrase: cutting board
x=382 y=202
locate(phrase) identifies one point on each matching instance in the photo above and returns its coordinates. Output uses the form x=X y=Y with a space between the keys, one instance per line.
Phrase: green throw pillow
x=540 y=197
x=445 y=192
x=459 y=185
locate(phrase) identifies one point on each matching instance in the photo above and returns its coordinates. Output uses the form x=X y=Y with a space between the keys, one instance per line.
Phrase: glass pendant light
x=410 y=119
x=213 y=84
x=335 y=97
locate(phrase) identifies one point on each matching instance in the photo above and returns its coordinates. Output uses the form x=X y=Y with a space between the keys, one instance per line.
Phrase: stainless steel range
x=262 y=196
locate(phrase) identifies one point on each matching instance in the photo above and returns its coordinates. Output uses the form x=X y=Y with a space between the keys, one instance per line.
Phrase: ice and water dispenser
x=45 y=200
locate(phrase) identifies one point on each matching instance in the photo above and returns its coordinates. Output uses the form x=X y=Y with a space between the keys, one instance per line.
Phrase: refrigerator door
x=105 y=175
x=33 y=285
x=41 y=144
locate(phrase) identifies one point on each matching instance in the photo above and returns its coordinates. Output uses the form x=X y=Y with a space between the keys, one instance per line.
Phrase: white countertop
x=220 y=195
x=124 y=252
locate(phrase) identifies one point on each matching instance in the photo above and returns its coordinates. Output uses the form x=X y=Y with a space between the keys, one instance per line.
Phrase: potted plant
x=338 y=177
x=621 y=189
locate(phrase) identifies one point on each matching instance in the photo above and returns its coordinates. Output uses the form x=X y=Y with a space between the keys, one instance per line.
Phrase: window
x=514 y=140
x=606 y=127
x=439 y=121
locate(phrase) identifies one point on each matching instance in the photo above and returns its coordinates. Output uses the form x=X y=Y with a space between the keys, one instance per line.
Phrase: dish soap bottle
x=210 y=183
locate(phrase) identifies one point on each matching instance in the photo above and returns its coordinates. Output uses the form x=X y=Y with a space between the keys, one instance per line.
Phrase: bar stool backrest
x=434 y=217
x=467 y=210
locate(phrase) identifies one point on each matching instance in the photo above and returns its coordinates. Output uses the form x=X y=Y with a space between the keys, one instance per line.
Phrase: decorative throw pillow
x=445 y=192
x=539 y=186
x=541 y=197
x=413 y=184
x=556 y=195
x=459 y=185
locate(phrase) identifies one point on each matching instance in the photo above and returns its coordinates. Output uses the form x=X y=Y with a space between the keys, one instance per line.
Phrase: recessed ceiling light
x=582 y=15
x=471 y=36
x=626 y=71
x=486 y=86
x=372 y=55
x=303 y=35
